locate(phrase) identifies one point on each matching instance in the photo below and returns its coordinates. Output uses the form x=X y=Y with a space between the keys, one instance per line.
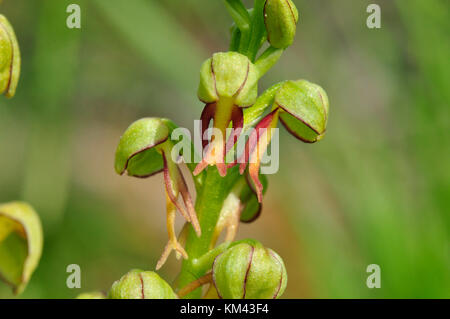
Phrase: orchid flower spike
x=228 y=83
x=302 y=107
x=145 y=149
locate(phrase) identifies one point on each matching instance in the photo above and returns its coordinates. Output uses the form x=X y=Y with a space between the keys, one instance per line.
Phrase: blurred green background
x=376 y=190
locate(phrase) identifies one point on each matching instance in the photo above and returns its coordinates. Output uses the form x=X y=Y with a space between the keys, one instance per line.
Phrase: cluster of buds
x=9 y=58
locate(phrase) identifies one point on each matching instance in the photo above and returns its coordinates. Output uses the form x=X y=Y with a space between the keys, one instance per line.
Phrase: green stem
x=208 y=206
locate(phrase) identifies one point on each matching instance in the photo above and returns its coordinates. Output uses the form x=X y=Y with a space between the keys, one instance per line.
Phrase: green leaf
x=138 y=284
x=258 y=30
x=21 y=243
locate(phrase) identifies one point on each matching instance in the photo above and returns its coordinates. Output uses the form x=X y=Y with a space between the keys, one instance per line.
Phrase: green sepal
x=138 y=284
x=305 y=109
x=21 y=242
x=228 y=75
x=280 y=17
x=136 y=152
x=264 y=101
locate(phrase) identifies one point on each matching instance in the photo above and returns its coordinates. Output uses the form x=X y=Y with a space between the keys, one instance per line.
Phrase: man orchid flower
x=228 y=83
x=302 y=107
x=144 y=150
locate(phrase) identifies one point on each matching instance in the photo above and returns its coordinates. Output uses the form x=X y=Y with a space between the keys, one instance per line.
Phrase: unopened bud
x=138 y=284
x=9 y=59
x=281 y=17
x=248 y=270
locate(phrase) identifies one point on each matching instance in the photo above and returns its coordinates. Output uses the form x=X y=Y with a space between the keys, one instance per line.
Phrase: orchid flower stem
x=208 y=206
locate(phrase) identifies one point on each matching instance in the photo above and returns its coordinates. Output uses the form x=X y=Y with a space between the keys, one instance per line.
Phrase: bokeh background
x=376 y=190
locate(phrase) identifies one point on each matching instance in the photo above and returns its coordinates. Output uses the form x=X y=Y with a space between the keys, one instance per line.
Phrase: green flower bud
x=248 y=270
x=304 y=109
x=91 y=295
x=229 y=75
x=138 y=284
x=9 y=59
x=280 y=17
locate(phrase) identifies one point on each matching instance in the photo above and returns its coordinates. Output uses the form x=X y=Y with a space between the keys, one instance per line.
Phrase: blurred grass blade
x=158 y=37
x=55 y=65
